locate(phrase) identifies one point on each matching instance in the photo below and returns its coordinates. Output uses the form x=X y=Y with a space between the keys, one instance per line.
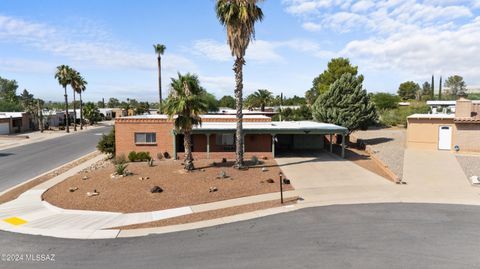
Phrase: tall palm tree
x=79 y=85
x=63 y=75
x=159 y=50
x=185 y=104
x=239 y=17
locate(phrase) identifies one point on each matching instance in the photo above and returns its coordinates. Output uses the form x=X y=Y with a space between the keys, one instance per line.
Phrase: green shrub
x=254 y=160
x=132 y=156
x=143 y=156
x=398 y=116
x=121 y=169
x=106 y=144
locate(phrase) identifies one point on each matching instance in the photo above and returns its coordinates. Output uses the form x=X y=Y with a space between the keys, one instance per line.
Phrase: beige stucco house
x=459 y=131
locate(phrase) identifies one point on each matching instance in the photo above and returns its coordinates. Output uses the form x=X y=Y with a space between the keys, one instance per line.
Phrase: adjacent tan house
x=459 y=131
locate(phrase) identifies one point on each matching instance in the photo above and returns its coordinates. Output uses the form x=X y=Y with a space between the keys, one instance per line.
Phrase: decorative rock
x=264 y=169
x=156 y=189
x=286 y=181
x=94 y=193
x=213 y=189
x=224 y=160
x=264 y=158
x=270 y=180
x=84 y=177
x=72 y=189
x=203 y=170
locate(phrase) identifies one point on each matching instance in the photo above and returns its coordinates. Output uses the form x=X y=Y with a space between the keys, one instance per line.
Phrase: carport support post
x=273 y=145
x=174 y=134
x=343 y=145
x=208 y=146
x=331 y=143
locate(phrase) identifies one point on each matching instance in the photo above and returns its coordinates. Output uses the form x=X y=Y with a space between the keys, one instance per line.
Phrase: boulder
x=156 y=189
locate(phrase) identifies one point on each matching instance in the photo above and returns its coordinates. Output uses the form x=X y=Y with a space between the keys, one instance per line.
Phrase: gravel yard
x=388 y=144
x=470 y=164
x=133 y=193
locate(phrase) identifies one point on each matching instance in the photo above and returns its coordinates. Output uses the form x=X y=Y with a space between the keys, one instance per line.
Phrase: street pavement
x=22 y=163
x=397 y=235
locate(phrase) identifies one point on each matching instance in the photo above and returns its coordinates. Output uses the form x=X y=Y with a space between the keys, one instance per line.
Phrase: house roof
x=274 y=127
x=431 y=116
x=206 y=116
x=5 y=115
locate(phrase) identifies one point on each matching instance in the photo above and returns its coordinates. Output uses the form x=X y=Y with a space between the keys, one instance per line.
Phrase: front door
x=445 y=137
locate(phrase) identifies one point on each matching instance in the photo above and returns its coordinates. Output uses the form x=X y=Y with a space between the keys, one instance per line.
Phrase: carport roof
x=274 y=127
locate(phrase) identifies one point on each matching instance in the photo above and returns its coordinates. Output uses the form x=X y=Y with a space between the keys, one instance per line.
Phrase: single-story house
x=106 y=113
x=459 y=131
x=15 y=122
x=215 y=138
x=230 y=111
x=442 y=106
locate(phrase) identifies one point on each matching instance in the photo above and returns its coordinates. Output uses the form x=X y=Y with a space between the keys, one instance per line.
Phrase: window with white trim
x=145 y=138
x=225 y=139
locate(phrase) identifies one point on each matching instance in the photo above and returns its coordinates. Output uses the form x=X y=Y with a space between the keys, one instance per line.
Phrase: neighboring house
x=107 y=113
x=442 y=107
x=459 y=131
x=215 y=138
x=118 y=112
x=15 y=122
x=56 y=118
x=231 y=111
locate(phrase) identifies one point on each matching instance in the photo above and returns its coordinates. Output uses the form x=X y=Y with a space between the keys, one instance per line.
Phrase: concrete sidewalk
x=30 y=215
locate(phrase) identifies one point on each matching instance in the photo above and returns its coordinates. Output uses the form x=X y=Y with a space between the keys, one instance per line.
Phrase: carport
x=294 y=134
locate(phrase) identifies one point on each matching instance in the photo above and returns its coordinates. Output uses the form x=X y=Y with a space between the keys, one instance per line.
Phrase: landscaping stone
x=264 y=169
x=94 y=193
x=213 y=189
x=84 y=177
x=72 y=189
x=270 y=180
x=156 y=189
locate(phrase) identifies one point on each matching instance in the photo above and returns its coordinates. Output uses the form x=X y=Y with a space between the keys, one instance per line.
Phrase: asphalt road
x=21 y=163
x=342 y=236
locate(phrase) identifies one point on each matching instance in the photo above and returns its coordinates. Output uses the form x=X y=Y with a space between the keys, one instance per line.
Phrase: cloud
x=405 y=36
x=87 y=45
x=258 y=51
x=311 y=26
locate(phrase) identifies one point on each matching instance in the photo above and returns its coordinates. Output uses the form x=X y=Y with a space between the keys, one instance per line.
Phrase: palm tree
x=159 y=50
x=79 y=85
x=239 y=17
x=185 y=104
x=63 y=75
x=261 y=98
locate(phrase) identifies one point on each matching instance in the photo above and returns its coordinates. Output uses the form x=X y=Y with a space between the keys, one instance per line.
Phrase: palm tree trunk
x=238 y=69
x=187 y=142
x=159 y=84
x=67 y=122
x=81 y=111
x=74 y=112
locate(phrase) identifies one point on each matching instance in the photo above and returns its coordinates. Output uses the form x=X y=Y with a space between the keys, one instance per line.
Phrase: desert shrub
x=398 y=116
x=150 y=162
x=159 y=155
x=121 y=169
x=132 y=156
x=143 y=156
x=166 y=155
x=254 y=160
x=106 y=144
x=121 y=159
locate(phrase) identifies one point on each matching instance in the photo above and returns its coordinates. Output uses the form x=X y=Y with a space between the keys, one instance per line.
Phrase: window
x=145 y=138
x=225 y=139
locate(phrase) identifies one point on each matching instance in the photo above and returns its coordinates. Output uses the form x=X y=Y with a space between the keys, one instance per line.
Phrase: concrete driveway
x=432 y=177
x=323 y=178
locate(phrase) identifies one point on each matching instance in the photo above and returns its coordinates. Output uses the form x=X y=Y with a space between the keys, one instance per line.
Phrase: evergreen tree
x=440 y=89
x=346 y=103
x=433 y=88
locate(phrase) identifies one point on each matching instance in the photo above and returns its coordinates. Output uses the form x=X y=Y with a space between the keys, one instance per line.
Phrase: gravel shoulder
x=470 y=164
x=388 y=145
